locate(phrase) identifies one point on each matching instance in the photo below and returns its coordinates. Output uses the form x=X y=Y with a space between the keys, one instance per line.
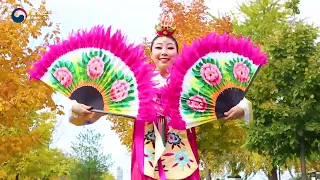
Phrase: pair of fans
x=103 y=71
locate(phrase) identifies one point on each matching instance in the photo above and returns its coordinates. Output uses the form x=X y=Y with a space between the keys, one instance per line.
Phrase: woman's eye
x=170 y=47
x=158 y=48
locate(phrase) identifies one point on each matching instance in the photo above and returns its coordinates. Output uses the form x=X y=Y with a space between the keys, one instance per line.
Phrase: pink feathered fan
x=100 y=70
x=212 y=76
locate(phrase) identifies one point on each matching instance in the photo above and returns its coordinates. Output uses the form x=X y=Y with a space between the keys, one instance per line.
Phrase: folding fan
x=100 y=70
x=212 y=76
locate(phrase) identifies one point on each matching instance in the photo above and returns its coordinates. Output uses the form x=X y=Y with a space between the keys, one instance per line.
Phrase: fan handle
x=110 y=113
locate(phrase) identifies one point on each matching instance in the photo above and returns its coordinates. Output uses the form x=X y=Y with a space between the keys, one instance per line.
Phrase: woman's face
x=163 y=52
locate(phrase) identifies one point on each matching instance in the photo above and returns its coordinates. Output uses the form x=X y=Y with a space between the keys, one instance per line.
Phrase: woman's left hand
x=234 y=113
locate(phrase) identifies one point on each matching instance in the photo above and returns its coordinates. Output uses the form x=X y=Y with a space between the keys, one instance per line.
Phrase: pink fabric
x=162 y=174
x=192 y=137
x=137 y=157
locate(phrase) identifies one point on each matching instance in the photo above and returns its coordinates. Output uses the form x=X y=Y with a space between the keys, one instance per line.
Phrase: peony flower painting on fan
x=211 y=74
x=95 y=67
x=119 y=90
x=64 y=76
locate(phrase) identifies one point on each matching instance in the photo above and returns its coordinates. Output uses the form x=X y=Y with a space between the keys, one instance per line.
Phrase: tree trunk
x=279 y=172
x=303 y=158
x=17 y=177
x=208 y=171
x=273 y=174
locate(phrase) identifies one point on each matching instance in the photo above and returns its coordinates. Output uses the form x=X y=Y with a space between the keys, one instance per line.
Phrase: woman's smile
x=164 y=60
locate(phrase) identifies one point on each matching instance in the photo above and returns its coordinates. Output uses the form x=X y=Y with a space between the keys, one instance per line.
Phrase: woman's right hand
x=81 y=109
x=84 y=115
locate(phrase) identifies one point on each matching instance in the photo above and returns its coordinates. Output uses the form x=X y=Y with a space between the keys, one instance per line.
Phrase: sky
x=136 y=19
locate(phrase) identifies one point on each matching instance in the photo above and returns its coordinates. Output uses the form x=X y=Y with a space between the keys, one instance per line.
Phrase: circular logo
x=21 y=15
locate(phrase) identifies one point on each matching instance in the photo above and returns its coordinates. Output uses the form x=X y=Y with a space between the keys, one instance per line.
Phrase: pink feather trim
x=211 y=43
x=99 y=37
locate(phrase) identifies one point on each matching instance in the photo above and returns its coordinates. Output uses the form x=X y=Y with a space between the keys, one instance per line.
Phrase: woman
x=175 y=156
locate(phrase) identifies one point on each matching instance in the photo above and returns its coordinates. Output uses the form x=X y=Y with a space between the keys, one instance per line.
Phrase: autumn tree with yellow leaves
x=20 y=98
x=40 y=161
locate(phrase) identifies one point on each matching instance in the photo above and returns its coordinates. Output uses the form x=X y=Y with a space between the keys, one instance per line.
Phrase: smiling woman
x=171 y=149
x=163 y=50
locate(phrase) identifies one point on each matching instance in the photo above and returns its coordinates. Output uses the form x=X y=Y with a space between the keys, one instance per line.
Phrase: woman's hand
x=234 y=113
x=84 y=115
x=81 y=109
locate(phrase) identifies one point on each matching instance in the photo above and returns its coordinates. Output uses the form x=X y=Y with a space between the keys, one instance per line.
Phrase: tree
x=19 y=98
x=287 y=123
x=108 y=176
x=221 y=148
x=191 y=19
x=39 y=161
x=91 y=162
x=215 y=141
x=124 y=128
x=284 y=91
x=261 y=19
x=312 y=163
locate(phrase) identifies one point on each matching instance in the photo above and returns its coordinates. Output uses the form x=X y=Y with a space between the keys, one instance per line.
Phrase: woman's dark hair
x=171 y=37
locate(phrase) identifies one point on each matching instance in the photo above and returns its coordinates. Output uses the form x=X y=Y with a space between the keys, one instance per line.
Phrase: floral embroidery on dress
x=149 y=137
x=175 y=140
x=180 y=158
x=149 y=156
